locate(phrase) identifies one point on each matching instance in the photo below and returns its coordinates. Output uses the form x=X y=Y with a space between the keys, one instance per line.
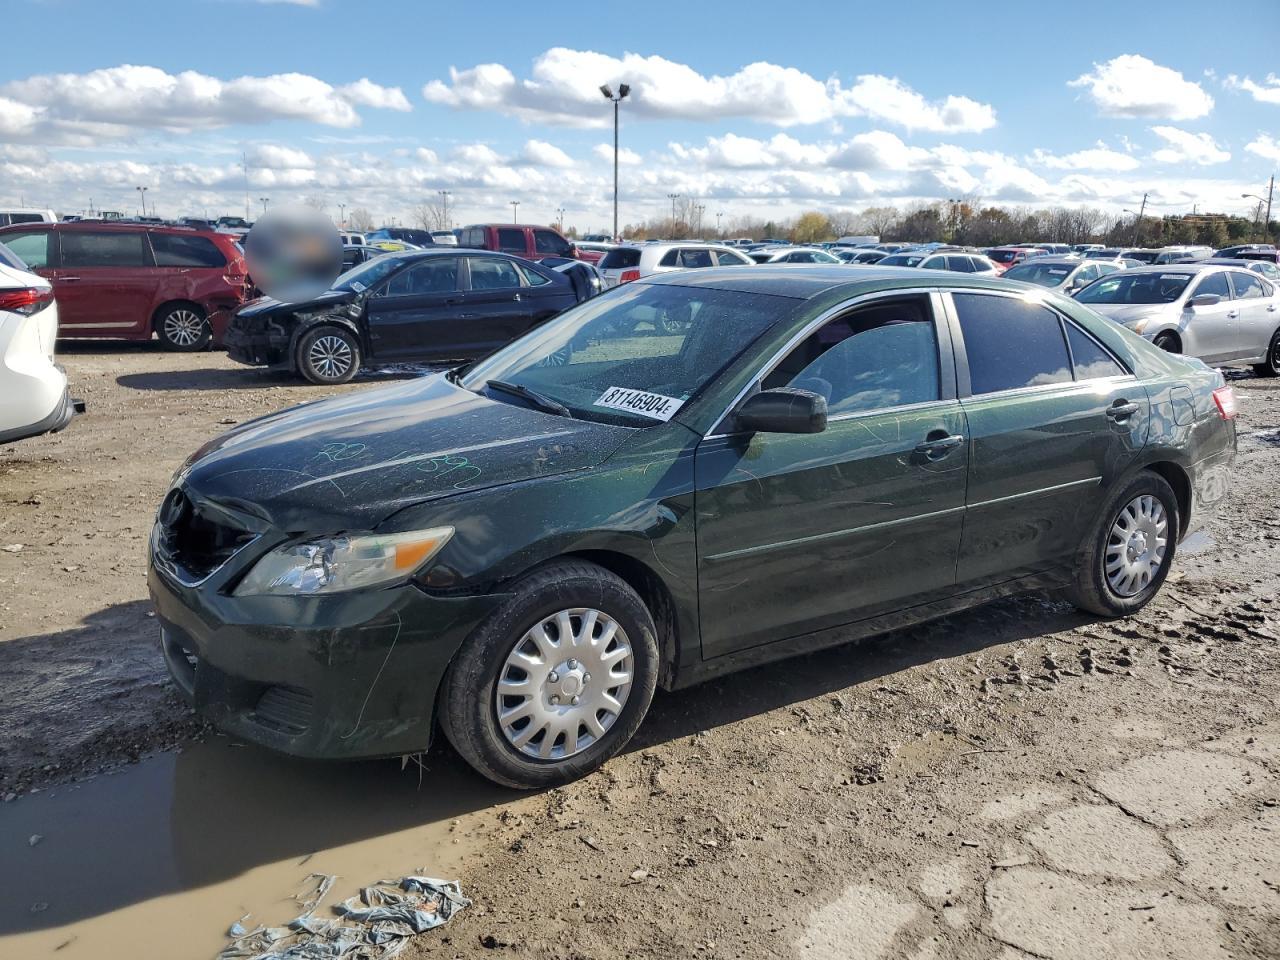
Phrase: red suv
x=523 y=240
x=129 y=280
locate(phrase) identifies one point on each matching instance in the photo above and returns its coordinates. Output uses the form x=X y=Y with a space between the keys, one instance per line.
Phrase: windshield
x=1004 y=256
x=902 y=260
x=361 y=278
x=1136 y=288
x=634 y=355
x=1045 y=274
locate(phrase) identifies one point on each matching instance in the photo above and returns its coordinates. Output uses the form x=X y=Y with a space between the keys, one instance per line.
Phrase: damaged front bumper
x=341 y=676
x=258 y=346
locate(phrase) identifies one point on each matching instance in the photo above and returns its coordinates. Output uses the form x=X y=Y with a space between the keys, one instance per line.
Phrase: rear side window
x=175 y=250
x=1248 y=286
x=1010 y=343
x=494 y=274
x=695 y=258
x=620 y=258
x=960 y=264
x=544 y=241
x=85 y=249
x=437 y=275
x=511 y=241
x=31 y=248
x=533 y=277
x=1088 y=358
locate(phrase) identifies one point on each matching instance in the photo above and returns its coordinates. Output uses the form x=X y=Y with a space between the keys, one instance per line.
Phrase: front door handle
x=67 y=279
x=936 y=448
x=516 y=298
x=1232 y=314
x=1121 y=410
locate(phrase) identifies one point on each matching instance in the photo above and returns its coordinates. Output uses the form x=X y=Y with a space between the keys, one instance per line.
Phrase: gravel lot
x=1016 y=781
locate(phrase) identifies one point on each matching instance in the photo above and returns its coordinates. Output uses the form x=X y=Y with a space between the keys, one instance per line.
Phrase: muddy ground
x=1017 y=781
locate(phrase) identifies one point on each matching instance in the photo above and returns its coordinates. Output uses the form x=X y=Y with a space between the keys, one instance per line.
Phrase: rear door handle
x=1121 y=410
x=1232 y=314
x=939 y=447
x=67 y=279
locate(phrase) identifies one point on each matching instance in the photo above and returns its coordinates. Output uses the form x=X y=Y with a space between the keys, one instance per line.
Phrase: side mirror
x=784 y=410
x=1204 y=300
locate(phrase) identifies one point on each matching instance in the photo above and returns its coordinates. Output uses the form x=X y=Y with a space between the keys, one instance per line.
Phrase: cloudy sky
x=754 y=108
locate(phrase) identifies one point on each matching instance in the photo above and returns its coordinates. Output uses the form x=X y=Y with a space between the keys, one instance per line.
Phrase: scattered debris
x=12 y=548
x=35 y=838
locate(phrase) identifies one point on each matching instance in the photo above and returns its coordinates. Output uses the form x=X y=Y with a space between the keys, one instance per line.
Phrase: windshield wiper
x=533 y=396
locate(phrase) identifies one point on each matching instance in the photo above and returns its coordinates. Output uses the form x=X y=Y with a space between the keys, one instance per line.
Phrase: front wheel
x=328 y=355
x=1130 y=549
x=1168 y=343
x=556 y=681
x=1271 y=366
x=184 y=328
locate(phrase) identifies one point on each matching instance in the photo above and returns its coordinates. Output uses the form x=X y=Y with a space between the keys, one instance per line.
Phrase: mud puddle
x=162 y=857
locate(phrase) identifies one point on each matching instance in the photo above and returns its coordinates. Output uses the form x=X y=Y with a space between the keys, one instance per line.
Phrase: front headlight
x=1140 y=325
x=337 y=564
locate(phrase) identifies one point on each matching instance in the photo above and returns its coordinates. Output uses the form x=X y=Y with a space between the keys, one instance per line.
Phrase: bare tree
x=316 y=202
x=880 y=220
x=361 y=220
x=429 y=216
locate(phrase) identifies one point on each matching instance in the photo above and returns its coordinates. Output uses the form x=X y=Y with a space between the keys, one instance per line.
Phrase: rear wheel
x=1130 y=549
x=1271 y=366
x=183 y=327
x=328 y=355
x=1168 y=343
x=556 y=681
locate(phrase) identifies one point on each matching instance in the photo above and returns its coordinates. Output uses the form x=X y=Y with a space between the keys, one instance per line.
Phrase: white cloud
x=270 y=156
x=117 y=100
x=1182 y=146
x=365 y=93
x=1266 y=92
x=16 y=118
x=878 y=150
x=563 y=88
x=626 y=157
x=1133 y=86
x=1264 y=146
x=1099 y=157
x=477 y=154
x=539 y=153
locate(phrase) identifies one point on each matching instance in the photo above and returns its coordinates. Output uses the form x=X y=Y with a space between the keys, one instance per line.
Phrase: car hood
x=350 y=462
x=268 y=305
x=1128 y=313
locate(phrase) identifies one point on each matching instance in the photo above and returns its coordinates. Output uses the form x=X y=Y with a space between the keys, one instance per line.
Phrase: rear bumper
x=54 y=421
x=1211 y=482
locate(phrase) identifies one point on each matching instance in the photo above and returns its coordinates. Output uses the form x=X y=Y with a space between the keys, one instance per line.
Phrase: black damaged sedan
x=401 y=308
x=686 y=475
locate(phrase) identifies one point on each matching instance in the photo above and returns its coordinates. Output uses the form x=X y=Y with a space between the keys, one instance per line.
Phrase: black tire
x=468 y=699
x=183 y=328
x=1092 y=591
x=1168 y=343
x=1271 y=366
x=328 y=355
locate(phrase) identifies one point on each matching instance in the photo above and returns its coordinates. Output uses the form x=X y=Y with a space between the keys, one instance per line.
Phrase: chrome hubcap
x=1136 y=546
x=330 y=356
x=183 y=327
x=564 y=684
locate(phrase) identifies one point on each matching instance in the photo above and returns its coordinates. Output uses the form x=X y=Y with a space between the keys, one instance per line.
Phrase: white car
x=26 y=215
x=1224 y=316
x=956 y=262
x=445 y=238
x=633 y=261
x=33 y=390
x=793 y=255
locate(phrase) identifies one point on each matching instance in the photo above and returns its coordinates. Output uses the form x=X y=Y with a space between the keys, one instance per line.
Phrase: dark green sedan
x=688 y=475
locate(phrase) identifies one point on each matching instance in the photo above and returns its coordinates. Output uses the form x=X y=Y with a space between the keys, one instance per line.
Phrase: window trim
x=948 y=386
x=964 y=386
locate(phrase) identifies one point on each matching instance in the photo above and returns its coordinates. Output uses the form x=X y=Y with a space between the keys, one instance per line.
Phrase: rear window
x=175 y=250
x=82 y=248
x=620 y=258
x=7 y=219
x=1003 y=256
x=511 y=241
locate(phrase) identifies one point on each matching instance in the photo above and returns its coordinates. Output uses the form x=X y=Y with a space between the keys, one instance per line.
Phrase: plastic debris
x=377 y=924
x=35 y=838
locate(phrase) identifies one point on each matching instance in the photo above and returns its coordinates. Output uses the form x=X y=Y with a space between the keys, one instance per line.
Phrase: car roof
x=1194 y=266
x=1053 y=262
x=809 y=281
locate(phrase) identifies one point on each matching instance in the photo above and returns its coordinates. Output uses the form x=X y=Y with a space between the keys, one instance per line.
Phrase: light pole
x=1271 y=189
x=514 y=204
x=955 y=217
x=699 y=208
x=560 y=218
x=142 y=193
x=623 y=90
x=719 y=214
x=342 y=214
x=444 y=197
x=673 y=197
x=264 y=201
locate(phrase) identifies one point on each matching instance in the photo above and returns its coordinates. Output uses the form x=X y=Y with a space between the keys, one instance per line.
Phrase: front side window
x=670 y=259
x=495 y=274
x=1248 y=286
x=176 y=250
x=85 y=249
x=511 y=241
x=31 y=248
x=1011 y=343
x=1215 y=284
x=874 y=358
x=437 y=275
x=651 y=339
x=544 y=241
x=902 y=260
x=960 y=264
x=727 y=258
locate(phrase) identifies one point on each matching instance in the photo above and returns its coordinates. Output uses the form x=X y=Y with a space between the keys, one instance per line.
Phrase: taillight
x=1225 y=398
x=628 y=276
x=27 y=300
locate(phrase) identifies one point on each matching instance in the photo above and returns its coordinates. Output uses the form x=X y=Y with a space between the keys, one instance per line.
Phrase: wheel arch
x=158 y=313
x=1177 y=478
x=303 y=327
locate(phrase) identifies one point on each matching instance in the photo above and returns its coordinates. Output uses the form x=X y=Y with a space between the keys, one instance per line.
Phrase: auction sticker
x=653 y=405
